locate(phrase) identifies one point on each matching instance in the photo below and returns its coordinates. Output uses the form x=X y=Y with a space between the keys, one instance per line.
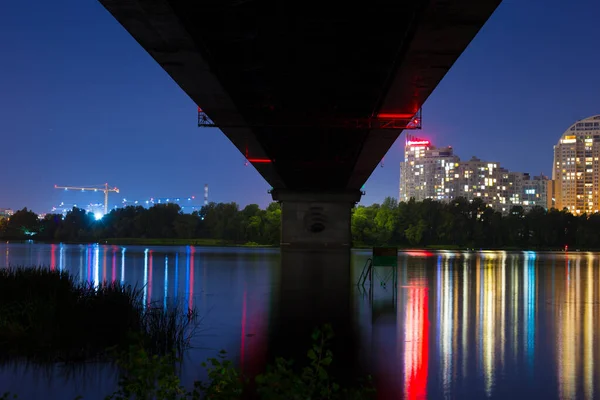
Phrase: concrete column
x=315 y=220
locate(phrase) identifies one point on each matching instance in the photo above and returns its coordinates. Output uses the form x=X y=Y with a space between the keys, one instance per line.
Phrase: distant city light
x=98 y=216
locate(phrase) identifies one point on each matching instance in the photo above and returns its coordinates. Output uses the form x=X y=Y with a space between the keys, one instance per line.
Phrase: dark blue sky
x=81 y=103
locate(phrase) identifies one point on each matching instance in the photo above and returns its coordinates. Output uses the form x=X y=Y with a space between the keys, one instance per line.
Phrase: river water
x=443 y=325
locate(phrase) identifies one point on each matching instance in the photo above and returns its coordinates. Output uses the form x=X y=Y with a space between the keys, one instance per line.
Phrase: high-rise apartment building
x=477 y=178
x=534 y=192
x=575 y=170
x=428 y=172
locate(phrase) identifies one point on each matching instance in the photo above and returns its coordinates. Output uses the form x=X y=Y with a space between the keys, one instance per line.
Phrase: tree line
x=472 y=224
x=223 y=221
x=459 y=223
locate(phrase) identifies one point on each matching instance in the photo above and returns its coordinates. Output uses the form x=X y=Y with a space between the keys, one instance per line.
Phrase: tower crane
x=105 y=188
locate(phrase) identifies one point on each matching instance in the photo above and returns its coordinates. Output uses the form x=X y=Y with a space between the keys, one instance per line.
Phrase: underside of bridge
x=312 y=93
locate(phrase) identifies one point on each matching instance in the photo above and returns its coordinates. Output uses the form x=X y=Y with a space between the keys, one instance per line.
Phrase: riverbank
x=154 y=242
x=178 y=242
x=469 y=249
x=224 y=243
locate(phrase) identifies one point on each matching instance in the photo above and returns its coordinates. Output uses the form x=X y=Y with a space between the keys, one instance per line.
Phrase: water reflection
x=231 y=288
x=578 y=315
x=502 y=322
x=447 y=324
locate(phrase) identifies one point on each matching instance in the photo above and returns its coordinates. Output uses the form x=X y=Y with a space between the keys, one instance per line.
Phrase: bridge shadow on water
x=314 y=289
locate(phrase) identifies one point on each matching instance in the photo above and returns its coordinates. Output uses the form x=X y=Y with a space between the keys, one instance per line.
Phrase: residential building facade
x=428 y=172
x=576 y=169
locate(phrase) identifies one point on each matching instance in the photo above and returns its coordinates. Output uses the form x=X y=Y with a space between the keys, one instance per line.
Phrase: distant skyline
x=82 y=104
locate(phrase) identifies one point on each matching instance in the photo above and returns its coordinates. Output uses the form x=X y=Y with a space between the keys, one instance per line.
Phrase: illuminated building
x=434 y=173
x=477 y=178
x=6 y=212
x=187 y=204
x=535 y=192
x=575 y=170
x=427 y=172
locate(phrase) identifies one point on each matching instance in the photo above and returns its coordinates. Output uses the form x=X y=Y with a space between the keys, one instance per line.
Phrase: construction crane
x=104 y=189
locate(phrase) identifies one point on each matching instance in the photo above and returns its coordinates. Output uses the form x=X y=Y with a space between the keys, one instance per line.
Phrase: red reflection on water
x=104 y=265
x=253 y=334
x=419 y=253
x=52 y=257
x=416 y=355
x=243 y=339
x=114 y=266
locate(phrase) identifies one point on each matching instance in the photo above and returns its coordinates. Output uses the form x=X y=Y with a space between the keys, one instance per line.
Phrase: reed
x=47 y=316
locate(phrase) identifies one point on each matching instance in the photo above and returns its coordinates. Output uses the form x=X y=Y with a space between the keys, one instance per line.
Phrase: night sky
x=81 y=103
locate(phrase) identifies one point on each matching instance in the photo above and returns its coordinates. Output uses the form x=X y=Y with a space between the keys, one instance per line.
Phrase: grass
x=47 y=316
x=179 y=242
x=165 y=242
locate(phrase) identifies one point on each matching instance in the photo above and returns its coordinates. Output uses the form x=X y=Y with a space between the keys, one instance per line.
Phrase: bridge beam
x=316 y=220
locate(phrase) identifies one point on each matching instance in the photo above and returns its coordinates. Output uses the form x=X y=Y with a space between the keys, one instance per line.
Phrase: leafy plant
x=145 y=376
x=224 y=380
x=313 y=381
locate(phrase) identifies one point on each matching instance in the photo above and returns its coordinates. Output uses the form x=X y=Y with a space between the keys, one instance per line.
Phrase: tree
x=22 y=224
x=272 y=232
x=76 y=226
x=185 y=226
x=414 y=233
x=49 y=226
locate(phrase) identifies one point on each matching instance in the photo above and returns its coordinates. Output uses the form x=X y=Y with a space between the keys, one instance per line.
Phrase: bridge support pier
x=315 y=280
x=316 y=220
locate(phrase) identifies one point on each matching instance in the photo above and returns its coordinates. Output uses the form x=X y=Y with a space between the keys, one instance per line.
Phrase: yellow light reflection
x=502 y=283
x=588 y=331
x=515 y=308
x=465 y=317
x=568 y=343
x=489 y=331
x=446 y=322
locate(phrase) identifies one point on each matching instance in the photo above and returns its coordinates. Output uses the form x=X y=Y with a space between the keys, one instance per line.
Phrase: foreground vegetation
x=144 y=377
x=46 y=316
x=154 y=378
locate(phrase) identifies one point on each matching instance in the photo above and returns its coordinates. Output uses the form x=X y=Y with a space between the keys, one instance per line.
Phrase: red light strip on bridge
x=395 y=116
x=259 y=160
